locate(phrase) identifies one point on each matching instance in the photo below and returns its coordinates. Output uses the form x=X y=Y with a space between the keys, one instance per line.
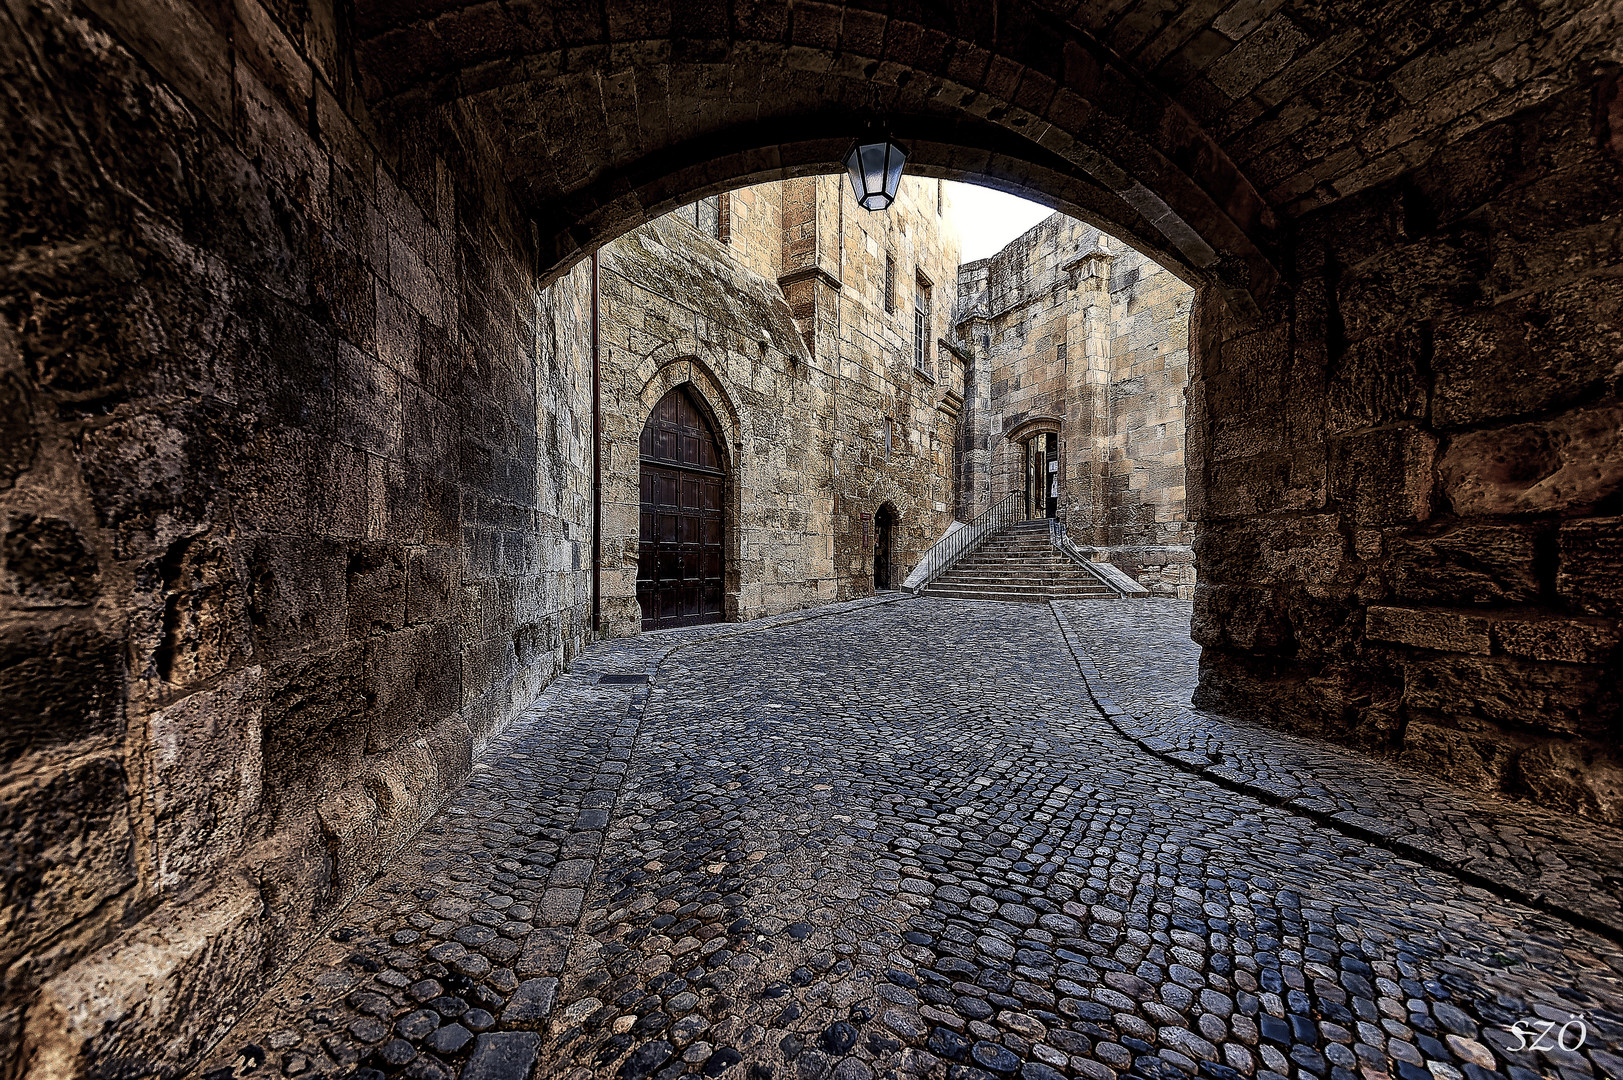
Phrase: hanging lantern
x=875 y=167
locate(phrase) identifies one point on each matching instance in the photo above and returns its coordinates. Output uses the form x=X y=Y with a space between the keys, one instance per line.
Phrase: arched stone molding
x=662 y=374
x=1033 y=425
x=664 y=369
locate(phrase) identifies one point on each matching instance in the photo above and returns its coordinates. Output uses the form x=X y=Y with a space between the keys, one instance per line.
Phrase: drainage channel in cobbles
x=1141 y=669
x=903 y=842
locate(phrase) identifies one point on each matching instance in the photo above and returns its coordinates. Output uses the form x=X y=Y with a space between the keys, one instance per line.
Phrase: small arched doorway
x=681 y=562
x=1041 y=461
x=884 y=528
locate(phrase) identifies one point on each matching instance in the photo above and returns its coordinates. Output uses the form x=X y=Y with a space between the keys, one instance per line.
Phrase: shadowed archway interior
x=296 y=480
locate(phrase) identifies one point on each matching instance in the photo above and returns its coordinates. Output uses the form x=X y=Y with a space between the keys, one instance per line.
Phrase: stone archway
x=312 y=469
x=884 y=545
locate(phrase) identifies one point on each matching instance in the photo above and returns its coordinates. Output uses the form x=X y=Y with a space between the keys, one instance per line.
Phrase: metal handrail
x=955 y=545
x=1060 y=539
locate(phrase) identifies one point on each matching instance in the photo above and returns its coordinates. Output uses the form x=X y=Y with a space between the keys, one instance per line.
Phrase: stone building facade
x=808 y=330
x=1077 y=349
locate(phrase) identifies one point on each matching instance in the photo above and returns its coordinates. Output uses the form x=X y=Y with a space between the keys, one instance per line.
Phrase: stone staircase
x=1018 y=563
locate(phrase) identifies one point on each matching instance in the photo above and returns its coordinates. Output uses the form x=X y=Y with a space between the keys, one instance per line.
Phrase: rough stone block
x=69 y=851
x=1568 y=641
x=1377 y=382
x=1384 y=477
x=415 y=682
x=137 y=1005
x=376 y=587
x=351 y=827
x=57 y=685
x=1432 y=278
x=1570 y=700
x=433 y=576
x=47 y=563
x=1568 y=465
x=1590 y=576
x=1479 y=760
x=1540 y=352
x=205 y=775
x=1444 y=631
x=1238 y=617
x=297 y=593
x=1465 y=564
x=1576 y=776
x=206 y=628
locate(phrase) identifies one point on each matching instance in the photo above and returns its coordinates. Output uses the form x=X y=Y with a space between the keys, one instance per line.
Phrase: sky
x=987 y=220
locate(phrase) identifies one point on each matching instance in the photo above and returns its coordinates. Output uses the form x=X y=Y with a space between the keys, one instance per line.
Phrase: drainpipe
x=597 y=471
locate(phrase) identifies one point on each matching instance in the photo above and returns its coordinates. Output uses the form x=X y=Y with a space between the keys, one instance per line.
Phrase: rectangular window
x=888 y=426
x=890 y=282
x=1061 y=356
x=707 y=216
x=922 y=354
x=938 y=184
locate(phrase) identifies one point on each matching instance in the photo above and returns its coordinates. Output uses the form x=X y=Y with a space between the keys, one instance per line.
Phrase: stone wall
x=1068 y=331
x=288 y=510
x=801 y=369
x=1412 y=472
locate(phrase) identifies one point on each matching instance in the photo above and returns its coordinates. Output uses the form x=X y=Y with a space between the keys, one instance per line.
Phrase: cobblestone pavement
x=1142 y=668
x=900 y=841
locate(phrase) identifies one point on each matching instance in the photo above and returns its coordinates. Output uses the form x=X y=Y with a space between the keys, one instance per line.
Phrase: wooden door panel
x=681 y=566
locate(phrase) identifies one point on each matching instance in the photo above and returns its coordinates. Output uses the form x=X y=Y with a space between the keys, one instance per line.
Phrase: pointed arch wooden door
x=681 y=555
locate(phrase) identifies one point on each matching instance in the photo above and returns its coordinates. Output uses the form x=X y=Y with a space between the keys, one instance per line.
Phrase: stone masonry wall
x=283 y=536
x=879 y=381
x=1413 y=474
x=676 y=307
x=1070 y=332
x=801 y=369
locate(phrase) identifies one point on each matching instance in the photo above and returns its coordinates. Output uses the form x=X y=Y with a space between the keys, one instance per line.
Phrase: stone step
x=1017 y=566
x=992 y=577
x=1025 y=596
x=1023 y=588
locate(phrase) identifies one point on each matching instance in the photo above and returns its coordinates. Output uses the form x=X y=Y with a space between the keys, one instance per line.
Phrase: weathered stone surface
x=1378 y=381
x=1466 y=563
x=1444 y=631
x=206 y=777
x=1546 y=351
x=1590 y=577
x=1570 y=465
x=57 y=685
x=47 y=563
x=152 y=997
x=1385 y=477
x=1512 y=693
x=70 y=850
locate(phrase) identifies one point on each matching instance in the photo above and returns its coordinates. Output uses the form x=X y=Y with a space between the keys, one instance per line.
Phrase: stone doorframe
x=661 y=372
x=1011 y=463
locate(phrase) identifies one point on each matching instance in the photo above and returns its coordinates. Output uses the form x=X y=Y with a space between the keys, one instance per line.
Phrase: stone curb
x=1376 y=831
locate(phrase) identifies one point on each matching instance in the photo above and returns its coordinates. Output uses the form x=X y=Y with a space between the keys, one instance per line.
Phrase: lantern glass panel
x=876 y=173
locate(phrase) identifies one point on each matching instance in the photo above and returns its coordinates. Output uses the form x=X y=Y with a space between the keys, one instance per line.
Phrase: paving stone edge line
x=640 y=702
x=1093 y=680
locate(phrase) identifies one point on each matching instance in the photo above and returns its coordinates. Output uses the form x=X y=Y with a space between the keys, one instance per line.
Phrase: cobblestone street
x=899 y=839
